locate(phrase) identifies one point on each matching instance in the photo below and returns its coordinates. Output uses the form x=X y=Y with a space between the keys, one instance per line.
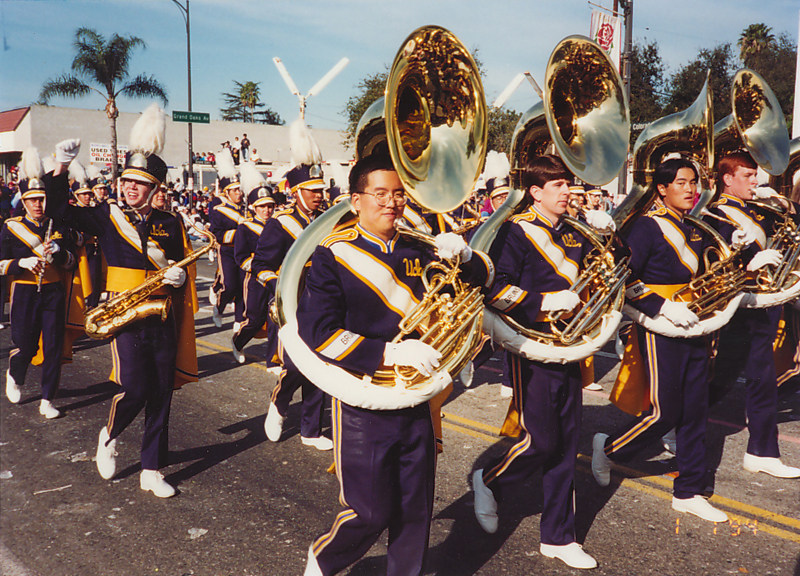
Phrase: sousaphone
x=583 y=118
x=433 y=123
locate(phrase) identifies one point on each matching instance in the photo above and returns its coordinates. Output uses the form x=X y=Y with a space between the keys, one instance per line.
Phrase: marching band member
x=224 y=219
x=665 y=254
x=746 y=342
x=360 y=281
x=537 y=257
x=94 y=255
x=279 y=233
x=256 y=296
x=148 y=354
x=38 y=298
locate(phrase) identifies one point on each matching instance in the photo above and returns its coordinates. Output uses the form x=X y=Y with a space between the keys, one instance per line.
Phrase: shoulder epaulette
x=342 y=236
x=524 y=217
x=282 y=212
x=15 y=219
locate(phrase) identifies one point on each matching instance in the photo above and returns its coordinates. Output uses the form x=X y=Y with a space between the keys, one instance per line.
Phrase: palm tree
x=243 y=105
x=105 y=64
x=753 y=40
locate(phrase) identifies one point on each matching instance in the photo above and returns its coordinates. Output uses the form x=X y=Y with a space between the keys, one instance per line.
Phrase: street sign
x=196 y=117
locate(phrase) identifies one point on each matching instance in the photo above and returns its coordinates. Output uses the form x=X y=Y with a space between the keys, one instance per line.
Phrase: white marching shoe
x=216 y=316
x=570 y=554
x=153 y=481
x=506 y=391
x=13 y=392
x=237 y=354
x=485 y=504
x=700 y=507
x=273 y=424
x=312 y=567
x=106 y=458
x=236 y=327
x=771 y=466
x=49 y=411
x=601 y=464
x=321 y=443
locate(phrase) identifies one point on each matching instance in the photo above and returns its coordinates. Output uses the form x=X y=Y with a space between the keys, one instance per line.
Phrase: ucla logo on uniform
x=158 y=230
x=695 y=236
x=413 y=268
x=759 y=217
x=570 y=242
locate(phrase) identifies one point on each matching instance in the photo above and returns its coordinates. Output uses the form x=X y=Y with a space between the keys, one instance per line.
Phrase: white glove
x=764 y=192
x=67 y=150
x=53 y=248
x=600 y=220
x=174 y=276
x=742 y=238
x=679 y=314
x=565 y=300
x=450 y=245
x=764 y=258
x=30 y=263
x=414 y=353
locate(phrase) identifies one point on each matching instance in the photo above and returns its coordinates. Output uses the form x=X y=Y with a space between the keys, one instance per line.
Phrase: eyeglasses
x=382 y=198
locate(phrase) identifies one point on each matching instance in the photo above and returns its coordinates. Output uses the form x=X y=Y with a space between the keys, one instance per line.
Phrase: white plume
x=92 y=172
x=301 y=143
x=225 y=166
x=77 y=172
x=30 y=165
x=250 y=178
x=497 y=165
x=339 y=174
x=147 y=135
x=49 y=163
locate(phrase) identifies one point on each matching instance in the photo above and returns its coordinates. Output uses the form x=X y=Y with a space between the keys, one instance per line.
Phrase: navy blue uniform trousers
x=228 y=284
x=549 y=403
x=34 y=313
x=256 y=310
x=386 y=463
x=745 y=347
x=314 y=399
x=144 y=362
x=678 y=374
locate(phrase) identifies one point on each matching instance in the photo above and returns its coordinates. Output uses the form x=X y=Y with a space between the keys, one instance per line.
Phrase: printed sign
x=606 y=30
x=102 y=153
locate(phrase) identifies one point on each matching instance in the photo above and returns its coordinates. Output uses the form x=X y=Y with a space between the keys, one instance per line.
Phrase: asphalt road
x=247 y=506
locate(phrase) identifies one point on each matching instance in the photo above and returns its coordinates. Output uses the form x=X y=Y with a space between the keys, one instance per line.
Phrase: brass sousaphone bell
x=584 y=119
x=433 y=123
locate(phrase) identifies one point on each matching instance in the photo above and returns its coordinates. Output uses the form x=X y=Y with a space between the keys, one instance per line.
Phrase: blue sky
x=236 y=40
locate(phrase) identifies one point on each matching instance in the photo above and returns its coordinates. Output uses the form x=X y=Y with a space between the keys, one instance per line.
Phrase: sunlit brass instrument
x=433 y=123
x=786 y=240
x=135 y=304
x=757 y=126
x=722 y=280
x=714 y=293
x=583 y=118
x=783 y=184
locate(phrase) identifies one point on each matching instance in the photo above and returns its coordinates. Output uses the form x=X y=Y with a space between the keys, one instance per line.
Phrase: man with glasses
x=277 y=236
x=361 y=282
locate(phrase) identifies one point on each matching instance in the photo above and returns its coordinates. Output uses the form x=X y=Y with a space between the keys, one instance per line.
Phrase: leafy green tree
x=753 y=41
x=686 y=83
x=106 y=64
x=501 y=128
x=244 y=105
x=368 y=89
x=648 y=86
x=776 y=64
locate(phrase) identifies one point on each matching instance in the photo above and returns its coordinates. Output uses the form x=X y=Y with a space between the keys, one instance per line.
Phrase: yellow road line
x=637 y=480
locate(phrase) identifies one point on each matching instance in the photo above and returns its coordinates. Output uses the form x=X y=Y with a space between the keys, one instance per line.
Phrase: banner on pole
x=606 y=30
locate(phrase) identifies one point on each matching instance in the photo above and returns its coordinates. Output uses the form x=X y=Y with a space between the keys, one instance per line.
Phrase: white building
x=44 y=126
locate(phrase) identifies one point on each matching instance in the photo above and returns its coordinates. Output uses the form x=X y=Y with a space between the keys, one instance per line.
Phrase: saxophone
x=135 y=304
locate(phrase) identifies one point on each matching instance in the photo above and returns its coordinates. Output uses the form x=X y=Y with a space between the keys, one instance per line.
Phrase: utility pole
x=627 y=15
x=190 y=171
